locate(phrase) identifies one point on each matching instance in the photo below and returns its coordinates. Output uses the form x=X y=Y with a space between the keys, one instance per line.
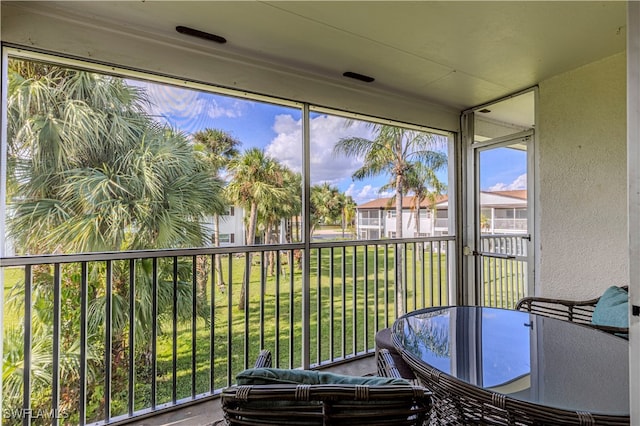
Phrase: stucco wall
x=581 y=181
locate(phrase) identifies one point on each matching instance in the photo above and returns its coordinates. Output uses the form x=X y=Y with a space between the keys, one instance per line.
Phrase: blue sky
x=278 y=131
x=503 y=169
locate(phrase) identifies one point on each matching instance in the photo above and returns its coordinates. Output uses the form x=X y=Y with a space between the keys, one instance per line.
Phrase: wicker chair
x=383 y=341
x=326 y=404
x=578 y=311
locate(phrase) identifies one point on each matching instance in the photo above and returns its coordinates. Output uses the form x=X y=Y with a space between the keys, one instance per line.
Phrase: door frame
x=471 y=262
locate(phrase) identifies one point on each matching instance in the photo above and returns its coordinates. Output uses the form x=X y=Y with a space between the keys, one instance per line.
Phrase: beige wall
x=581 y=181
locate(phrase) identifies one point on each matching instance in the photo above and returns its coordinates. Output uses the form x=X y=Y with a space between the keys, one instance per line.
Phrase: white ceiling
x=456 y=54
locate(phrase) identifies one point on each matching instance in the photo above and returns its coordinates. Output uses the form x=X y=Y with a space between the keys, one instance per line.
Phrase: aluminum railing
x=442 y=223
x=498 y=225
x=371 y=221
x=510 y=224
x=503 y=269
x=104 y=338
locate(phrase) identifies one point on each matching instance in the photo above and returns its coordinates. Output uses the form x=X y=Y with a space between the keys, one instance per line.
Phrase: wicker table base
x=458 y=403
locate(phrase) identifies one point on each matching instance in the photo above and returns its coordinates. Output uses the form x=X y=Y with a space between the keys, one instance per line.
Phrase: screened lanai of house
x=434 y=66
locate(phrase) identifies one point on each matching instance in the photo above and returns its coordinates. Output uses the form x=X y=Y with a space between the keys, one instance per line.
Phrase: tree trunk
x=251 y=235
x=202 y=273
x=271 y=254
x=218 y=258
x=421 y=250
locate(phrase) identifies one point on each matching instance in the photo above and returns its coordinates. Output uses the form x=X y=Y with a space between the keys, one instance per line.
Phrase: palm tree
x=295 y=188
x=91 y=166
x=348 y=212
x=219 y=148
x=255 y=179
x=272 y=212
x=326 y=205
x=392 y=152
x=90 y=170
x=425 y=185
x=423 y=182
x=485 y=222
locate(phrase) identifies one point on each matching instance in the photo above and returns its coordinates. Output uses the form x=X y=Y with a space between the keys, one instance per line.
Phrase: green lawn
x=504 y=282
x=331 y=337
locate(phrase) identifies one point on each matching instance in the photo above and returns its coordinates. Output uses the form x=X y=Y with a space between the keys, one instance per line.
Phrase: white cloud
x=366 y=193
x=214 y=110
x=325 y=132
x=169 y=101
x=351 y=190
x=184 y=108
x=285 y=124
x=287 y=145
x=519 y=183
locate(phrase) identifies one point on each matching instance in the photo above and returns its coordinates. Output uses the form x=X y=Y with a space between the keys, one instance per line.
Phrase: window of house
x=503 y=213
x=227 y=238
x=391 y=213
x=391 y=234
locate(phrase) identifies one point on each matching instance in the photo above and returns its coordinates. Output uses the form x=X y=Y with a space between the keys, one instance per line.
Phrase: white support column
x=306 y=226
x=3 y=192
x=633 y=173
x=468 y=289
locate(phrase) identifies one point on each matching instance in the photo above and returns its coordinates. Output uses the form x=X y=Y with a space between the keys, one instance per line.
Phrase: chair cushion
x=612 y=309
x=272 y=376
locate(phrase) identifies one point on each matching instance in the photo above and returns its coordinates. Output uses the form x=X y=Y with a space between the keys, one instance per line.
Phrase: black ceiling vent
x=201 y=34
x=360 y=77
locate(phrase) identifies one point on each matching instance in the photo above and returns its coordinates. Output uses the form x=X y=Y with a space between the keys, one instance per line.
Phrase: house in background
x=231 y=227
x=502 y=212
x=376 y=219
x=233 y=230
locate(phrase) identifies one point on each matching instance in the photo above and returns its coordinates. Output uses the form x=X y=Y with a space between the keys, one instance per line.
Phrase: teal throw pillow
x=612 y=309
x=272 y=376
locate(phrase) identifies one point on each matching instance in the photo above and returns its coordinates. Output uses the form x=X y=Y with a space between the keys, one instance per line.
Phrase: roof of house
x=388 y=203
x=515 y=193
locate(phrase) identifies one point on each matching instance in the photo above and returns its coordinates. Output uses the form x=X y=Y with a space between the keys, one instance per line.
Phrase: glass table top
x=524 y=356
